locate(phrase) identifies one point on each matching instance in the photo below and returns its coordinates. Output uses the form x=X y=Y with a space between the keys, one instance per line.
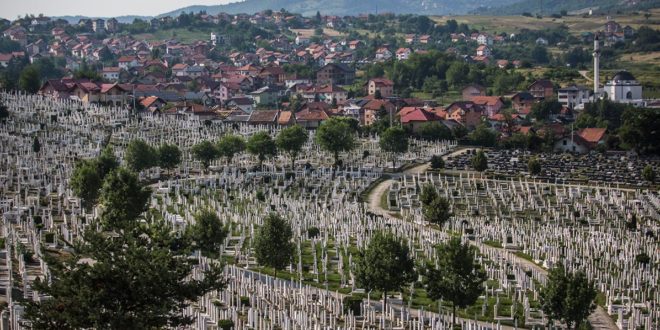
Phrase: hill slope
x=349 y=7
x=555 y=6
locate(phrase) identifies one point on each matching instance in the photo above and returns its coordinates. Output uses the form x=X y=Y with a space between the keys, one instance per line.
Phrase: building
x=111 y=73
x=473 y=90
x=623 y=88
x=542 y=89
x=382 y=85
x=335 y=73
x=483 y=50
x=492 y=104
x=98 y=25
x=112 y=25
x=573 y=97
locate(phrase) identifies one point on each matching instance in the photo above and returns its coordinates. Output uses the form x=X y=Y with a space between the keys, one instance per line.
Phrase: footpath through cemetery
x=257 y=238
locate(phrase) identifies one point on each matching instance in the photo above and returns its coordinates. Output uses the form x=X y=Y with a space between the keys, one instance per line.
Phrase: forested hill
x=547 y=7
x=350 y=7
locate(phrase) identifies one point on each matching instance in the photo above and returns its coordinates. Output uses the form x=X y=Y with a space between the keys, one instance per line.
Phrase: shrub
x=437 y=162
x=313 y=232
x=225 y=324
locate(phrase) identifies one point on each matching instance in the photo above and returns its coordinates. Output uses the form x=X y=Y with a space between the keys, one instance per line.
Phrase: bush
x=353 y=303
x=313 y=232
x=643 y=258
x=225 y=324
x=245 y=301
x=437 y=162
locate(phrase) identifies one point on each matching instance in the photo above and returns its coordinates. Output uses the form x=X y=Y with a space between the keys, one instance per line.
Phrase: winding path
x=599 y=319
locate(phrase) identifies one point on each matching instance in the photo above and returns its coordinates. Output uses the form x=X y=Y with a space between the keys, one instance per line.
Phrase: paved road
x=599 y=319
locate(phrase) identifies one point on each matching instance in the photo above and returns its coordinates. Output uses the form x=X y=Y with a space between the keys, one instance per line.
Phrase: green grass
x=179 y=34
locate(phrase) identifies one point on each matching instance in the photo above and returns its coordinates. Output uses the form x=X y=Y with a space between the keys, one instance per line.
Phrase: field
x=576 y=24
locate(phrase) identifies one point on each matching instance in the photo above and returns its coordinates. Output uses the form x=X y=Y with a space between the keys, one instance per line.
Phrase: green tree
x=456 y=276
x=534 y=166
x=434 y=131
x=543 y=109
x=394 y=140
x=428 y=194
x=36 y=145
x=30 y=79
x=205 y=152
x=479 y=161
x=568 y=297
x=484 y=136
x=106 y=162
x=262 y=146
x=230 y=145
x=336 y=135
x=86 y=182
x=648 y=174
x=169 y=156
x=208 y=232
x=124 y=199
x=272 y=244
x=4 y=113
x=384 y=264
x=291 y=140
x=140 y=156
x=125 y=282
x=437 y=211
x=437 y=162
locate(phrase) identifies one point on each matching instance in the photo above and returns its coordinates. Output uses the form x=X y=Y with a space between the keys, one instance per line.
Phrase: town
x=374 y=171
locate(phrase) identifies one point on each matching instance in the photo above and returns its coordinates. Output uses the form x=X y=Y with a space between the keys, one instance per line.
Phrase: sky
x=9 y=9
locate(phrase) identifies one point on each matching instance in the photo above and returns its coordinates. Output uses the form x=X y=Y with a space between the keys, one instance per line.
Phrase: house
x=111 y=73
x=331 y=94
x=152 y=104
x=311 y=118
x=383 y=54
x=403 y=54
x=265 y=96
x=302 y=39
x=522 y=102
x=424 y=39
x=370 y=111
x=335 y=73
x=473 y=90
x=243 y=103
x=287 y=118
x=571 y=142
x=484 y=39
x=542 y=89
x=56 y=89
x=112 y=25
x=98 y=25
x=593 y=136
x=113 y=94
x=5 y=59
x=384 y=87
x=413 y=118
x=573 y=97
x=263 y=117
x=465 y=112
x=483 y=50
x=86 y=92
x=492 y=104
x=127 y=62
x=179 y=69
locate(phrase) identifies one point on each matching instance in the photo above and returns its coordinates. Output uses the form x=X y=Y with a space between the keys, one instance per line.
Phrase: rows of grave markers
x=32 y=187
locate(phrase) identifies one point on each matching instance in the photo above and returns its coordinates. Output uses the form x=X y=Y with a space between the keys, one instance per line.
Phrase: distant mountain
x=349 y=7
x=547 y=7
x=120 y=19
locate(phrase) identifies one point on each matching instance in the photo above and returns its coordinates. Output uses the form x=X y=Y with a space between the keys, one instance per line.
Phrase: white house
x=623 y=88
x=573 y=97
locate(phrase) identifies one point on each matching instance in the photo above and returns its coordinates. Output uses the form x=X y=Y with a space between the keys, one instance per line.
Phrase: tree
x=456 y=276
x=543 y=109
x=208 y=232
x=484 y=136
x=126 y=282
x=479 y=161
x=434 y=131
x=534 y=166
x=428 y=194
x=205 y=152
x=291 y=140
x=169 y=156
x=384 y=264
x=30 y=79
x=36 y=145
x=4 y=113
x=437 y=162
x=272 y=244
x=262 y=146
x=230 y=145
x=648 y=174
x=567 y=297
x=395 y=141
x=336 y=135
x=437 y=211
x=106 y=162
x=86 y=182
x=124 y=199
x=140 y=156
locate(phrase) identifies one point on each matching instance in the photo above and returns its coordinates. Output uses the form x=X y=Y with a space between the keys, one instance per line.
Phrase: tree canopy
x=291 y=140
x=262 y=146
x=124 y=199
x=208 y=232
x=205 y=152
x=456 y=277
x=230 y=145
x=169 y=156
x=395 y=141
x=272 y=244
x=568 y=297
x=140 y=156
x=336 y=135
x=479 y=161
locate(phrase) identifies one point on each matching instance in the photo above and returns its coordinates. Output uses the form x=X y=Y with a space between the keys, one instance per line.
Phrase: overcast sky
x=105 y=8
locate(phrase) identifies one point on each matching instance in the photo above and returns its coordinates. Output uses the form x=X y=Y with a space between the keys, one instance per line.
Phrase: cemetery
x=521 y=227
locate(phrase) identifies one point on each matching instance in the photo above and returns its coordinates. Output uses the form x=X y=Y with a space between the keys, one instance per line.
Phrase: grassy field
x=576 y=24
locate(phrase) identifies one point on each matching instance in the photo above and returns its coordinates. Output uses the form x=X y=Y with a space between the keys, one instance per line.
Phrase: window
x=564 y=142
x=629 y=95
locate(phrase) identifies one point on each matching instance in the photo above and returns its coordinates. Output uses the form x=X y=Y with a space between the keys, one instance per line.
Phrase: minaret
x=596 y=68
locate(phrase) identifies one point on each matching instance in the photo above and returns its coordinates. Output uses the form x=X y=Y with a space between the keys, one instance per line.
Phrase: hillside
x=555 y=6
x=349 y=7
x=120 y=19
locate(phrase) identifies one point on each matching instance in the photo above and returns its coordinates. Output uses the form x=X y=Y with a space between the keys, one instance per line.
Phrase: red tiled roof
x=419 y=114
x=486 y=100
x=592 y=135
